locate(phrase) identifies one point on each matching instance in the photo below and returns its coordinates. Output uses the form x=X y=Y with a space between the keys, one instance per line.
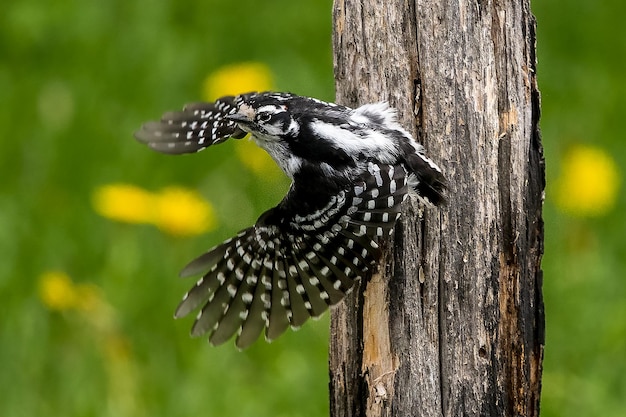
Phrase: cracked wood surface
x=452 y=323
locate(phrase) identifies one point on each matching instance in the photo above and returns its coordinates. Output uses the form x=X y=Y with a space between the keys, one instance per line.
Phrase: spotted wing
x=196 y=127
x=279 y=273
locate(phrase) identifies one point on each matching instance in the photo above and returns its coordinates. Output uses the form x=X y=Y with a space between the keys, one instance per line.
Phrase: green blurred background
x=78 y=77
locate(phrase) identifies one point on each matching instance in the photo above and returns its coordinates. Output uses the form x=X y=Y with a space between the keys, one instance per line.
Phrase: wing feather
x=196 y=127
x=288 y=266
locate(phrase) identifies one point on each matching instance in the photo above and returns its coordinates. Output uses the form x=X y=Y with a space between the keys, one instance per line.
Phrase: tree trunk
x=452 y=324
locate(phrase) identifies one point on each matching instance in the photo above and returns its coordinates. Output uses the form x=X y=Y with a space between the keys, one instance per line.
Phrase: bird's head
x=267 y=117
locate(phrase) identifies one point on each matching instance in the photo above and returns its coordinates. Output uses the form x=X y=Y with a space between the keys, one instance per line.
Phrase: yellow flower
x=175 y=210
x=57 y=291
x=183 y=212
x=237 y=79
x=124 y=203
x=589 y=182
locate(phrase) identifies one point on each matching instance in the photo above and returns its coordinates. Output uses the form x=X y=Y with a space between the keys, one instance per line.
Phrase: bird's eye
x=264 y=117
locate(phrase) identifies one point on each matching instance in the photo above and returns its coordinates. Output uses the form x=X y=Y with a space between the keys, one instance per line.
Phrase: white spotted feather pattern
x=194 y=128
x=272 y=279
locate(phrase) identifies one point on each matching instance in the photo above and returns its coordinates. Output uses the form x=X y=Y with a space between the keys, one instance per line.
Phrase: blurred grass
x=77 y=78
x=581 y=73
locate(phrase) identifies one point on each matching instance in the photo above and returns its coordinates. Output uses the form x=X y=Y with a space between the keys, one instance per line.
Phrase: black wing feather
x=289 y=267
x=196 y=127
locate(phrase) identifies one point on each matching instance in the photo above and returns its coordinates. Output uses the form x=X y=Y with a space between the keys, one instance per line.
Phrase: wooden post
x=452 y=324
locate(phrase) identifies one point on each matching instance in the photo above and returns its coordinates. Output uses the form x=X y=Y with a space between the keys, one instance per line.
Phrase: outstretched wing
x=194 y=128
x=288 y=267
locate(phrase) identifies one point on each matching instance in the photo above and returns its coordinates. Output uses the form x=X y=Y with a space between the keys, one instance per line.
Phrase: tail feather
x=430 y=184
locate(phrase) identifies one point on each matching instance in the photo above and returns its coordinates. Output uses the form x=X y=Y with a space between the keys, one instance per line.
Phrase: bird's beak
x=243 y=124
x=239 y=118
x=244 y=117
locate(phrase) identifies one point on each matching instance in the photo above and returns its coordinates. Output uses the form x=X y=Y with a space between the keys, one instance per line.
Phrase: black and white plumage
x=351 y=169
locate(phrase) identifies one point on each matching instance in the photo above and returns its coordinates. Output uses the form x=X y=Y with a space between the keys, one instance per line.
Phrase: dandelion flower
x=175 y=210
x=589 y=182
x=57 y=291
x=124 y=203
x=236 y=79
x=182 y=212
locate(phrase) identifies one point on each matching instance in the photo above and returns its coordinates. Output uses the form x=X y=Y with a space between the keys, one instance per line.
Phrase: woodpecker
x=351 y=169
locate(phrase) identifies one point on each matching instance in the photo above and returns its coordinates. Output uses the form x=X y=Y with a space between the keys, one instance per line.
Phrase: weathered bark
x=452 y=323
